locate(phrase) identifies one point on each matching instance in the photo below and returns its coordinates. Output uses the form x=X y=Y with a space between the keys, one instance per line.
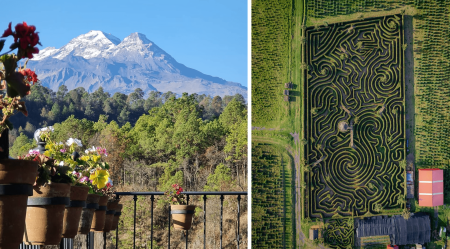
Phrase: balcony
x=90 y=238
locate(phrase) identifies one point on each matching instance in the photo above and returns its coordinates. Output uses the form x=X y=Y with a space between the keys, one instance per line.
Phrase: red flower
x=30 y=76
x=25 y=39
x=8 y=32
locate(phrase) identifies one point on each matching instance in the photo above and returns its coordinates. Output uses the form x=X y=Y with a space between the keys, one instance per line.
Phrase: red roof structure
x=431 y=187
x=392 y=247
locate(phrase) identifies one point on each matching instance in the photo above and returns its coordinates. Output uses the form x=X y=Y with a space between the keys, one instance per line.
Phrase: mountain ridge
x=99 y=59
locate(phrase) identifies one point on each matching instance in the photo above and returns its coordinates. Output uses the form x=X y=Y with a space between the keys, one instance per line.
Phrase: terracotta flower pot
x=16 y=180
x=111 y=210
x=182 y=216
x=98 y=221
x=72 y=214
x=45 y=214
x=84 y=226
x=116 y=218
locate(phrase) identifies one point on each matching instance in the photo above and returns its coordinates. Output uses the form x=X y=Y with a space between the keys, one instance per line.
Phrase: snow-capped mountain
x=98 y=59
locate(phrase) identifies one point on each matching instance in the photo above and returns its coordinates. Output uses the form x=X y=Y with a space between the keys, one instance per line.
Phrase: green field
x=273 y=223
x=279 y=30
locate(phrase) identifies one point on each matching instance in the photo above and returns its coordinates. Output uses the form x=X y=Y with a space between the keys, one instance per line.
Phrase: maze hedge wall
x=354 y=117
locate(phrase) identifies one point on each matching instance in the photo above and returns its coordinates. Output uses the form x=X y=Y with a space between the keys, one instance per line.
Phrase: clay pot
x=111 y=210
x=72 y=214
x=16 y=180
x=98 y=221
x=116 y=218
x=87 y=213
x=182 y=216
x=45 y=214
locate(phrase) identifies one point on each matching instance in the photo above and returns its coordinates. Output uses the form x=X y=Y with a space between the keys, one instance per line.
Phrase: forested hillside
x=195 y=140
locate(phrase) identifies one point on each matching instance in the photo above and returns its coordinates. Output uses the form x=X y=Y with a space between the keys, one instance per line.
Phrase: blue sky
x=207 y=35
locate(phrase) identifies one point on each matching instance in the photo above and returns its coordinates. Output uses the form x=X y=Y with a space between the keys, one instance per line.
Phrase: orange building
x=431 y=187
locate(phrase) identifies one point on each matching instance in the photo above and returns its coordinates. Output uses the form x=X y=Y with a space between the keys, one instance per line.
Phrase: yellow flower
x=100 y=178
x=84 y=158
x=95 y=158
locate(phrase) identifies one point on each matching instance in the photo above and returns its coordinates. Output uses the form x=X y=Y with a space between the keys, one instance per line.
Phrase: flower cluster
x=16 y=80
x=30 y=76
x=63 y=161
x=25 y=38
x=175 y=196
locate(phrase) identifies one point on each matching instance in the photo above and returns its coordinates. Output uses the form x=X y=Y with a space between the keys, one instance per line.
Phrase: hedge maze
x=354 y=118
x=339 y=233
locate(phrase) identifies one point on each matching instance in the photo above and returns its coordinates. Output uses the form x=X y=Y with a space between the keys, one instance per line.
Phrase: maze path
x=354 y=117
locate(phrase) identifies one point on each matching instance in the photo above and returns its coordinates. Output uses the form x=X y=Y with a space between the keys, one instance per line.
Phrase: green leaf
x=16 y=86
x=9 y=124
x=14 y=46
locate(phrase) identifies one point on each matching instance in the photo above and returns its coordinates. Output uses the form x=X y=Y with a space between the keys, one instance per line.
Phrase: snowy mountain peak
x=99 y=59
x=87 y=45
x=137 y=38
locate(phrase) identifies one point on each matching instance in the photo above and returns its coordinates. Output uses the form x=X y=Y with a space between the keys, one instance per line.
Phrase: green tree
x=234 y=113
x=220 y=180
x=61 y=93
x=124 y=116
x=89 y=112
x=21 y=146
x=56 y=110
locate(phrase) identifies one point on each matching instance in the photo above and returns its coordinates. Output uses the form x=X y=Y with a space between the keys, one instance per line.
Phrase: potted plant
x=51 y=195
x=93 y=172
x=111 y=206
x=66 y=155
x=16 y=176
x=181 y=213
x=117 y=214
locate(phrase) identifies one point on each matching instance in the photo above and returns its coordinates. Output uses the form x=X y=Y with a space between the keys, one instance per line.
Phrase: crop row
x=270 y=57
x=270 y=221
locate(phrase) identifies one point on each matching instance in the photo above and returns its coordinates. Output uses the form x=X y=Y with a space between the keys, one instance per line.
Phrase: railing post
x=168 y=244
x=204 y=221
x=187 y=232
x=221 y=219
x=117 y=228
x=134 y=231
x=238 y=222
x=104 y=240
x=151 y=236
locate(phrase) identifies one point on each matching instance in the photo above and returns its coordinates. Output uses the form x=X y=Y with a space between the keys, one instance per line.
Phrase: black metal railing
x=68 y=243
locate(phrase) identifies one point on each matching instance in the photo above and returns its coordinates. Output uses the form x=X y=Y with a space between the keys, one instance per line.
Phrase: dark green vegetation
x=354 y=117
x=171 y=143
x=274 y=45
x=46 y=107
x=273 y=121
x=339 y=233
x=427 y=105
x=271 y=38
x=273 y=220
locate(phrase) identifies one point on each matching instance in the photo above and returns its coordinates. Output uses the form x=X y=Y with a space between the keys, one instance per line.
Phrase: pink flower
x=84 y=179
x=102 y=151
x=63 y=150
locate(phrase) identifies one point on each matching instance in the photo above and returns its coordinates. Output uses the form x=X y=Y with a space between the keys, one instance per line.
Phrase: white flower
x=38 y=132
x=61 y=163
x=74 y=141
x=90 y=150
